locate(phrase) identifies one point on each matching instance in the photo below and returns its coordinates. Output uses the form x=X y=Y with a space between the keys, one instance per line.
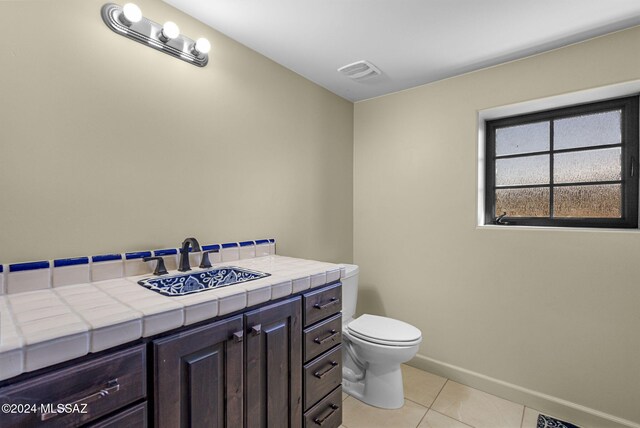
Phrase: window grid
x=551 y=160
x=629 y=176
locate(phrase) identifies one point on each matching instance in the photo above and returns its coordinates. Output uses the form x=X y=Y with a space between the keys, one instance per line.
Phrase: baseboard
x=547 y=404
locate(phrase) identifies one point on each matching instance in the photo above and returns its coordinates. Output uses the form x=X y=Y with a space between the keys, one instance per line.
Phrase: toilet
x=374 y=348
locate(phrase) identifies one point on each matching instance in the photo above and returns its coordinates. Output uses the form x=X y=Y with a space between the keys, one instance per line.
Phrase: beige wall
x=107 y=145
x=555 y=312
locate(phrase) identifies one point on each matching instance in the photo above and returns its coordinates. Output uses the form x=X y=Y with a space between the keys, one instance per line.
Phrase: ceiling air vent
x=360 y=70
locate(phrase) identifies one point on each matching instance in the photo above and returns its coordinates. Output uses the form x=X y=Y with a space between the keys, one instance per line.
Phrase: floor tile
x=356 y=414
x=434 y=419
x=530 y=419
x=477 y=408
x=456 y=406
x=420 y=386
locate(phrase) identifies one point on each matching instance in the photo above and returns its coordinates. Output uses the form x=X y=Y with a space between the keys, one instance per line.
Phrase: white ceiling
x=411 y=41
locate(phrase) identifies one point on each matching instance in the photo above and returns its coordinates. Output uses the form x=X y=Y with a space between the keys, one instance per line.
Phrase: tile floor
x=435 y=402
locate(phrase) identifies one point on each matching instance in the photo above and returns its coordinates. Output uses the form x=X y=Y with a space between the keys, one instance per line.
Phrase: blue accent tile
x=137 y=255
x=246 y=243
x=1 y=268
x=71 y=262
x=262 y=241
x=273 y=241
x=210 y=247
x=230 y=245
x=106 y=258
x=167 y=252
x=18 y=267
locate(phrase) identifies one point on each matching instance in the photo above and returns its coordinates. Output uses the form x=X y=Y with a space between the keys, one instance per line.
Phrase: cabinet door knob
x=256 y=329
x=237 y=336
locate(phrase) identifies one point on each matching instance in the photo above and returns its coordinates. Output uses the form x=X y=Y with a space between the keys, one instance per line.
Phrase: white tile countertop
x=45 y=327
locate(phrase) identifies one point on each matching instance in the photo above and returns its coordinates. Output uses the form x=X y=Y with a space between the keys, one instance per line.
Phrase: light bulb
x=202 y=46
x=130 y=14
x=169 y=31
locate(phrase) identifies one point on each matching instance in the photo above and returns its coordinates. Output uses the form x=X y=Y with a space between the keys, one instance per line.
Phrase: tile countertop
x=45 y=327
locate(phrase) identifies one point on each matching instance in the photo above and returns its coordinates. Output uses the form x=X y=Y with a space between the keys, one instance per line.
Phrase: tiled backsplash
x=39 y=275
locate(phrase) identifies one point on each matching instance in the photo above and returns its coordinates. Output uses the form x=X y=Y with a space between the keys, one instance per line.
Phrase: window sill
x=560 y=229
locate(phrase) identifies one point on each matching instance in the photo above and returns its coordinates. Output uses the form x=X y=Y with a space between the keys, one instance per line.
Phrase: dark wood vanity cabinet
x=323 y=357
x=207 y=376
x=257 y=368
x=198 y=376
x=274 y=358
x=87 y=391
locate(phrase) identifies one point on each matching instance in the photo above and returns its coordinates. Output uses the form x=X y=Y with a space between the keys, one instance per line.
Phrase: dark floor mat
x=545 y=421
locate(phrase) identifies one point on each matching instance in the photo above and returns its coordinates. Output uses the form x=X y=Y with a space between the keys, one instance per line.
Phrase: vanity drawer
x=322 y=337
x=321 y=304
x=327 y=413
x=133 y=417
x=89 y=390
x=322 y=375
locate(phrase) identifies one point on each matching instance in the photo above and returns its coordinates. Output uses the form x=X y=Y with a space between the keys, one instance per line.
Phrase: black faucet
x=160 y=267
x=184 y=265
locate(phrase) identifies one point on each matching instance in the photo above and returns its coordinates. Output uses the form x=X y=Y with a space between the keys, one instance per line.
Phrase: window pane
x=524 y=170
x=531 y=202
x=590 y=165
x=587 y=130
x=598 y=201
x=533 y=137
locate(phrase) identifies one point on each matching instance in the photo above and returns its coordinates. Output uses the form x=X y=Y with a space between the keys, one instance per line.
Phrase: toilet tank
x=349 y=291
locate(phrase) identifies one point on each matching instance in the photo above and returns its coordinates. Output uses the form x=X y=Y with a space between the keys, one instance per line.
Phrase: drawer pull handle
x=237 y=336
x=333 y=333
x=333 y=301
x=319 y=421
x=322 y=374
x=256 y=329
x=112 y=387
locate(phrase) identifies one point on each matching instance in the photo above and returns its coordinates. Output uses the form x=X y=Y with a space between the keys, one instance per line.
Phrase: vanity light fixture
x=169 y=31
x=131 y=14
x=128 y=21
x=201 y=47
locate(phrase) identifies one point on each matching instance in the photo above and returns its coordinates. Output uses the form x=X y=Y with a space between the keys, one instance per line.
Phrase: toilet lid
x=384 y=330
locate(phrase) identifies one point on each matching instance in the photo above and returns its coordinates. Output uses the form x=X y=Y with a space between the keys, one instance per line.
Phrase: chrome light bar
x=128 y=21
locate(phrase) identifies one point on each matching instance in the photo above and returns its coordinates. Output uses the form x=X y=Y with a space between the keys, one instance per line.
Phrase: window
x=575 y=166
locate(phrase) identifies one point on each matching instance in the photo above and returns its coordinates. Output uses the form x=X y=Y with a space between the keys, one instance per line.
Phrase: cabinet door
x=198 y=377
x=273 y=366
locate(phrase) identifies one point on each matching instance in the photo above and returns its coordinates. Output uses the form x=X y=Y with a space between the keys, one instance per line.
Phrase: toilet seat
x=384 y=331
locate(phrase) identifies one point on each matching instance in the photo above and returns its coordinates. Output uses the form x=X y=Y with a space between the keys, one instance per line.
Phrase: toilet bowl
x=375 y=347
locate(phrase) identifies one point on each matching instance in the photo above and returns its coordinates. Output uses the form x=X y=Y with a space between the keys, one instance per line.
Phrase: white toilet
x=374 y=348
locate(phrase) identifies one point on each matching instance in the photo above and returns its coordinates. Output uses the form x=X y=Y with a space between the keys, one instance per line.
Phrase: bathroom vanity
x=273 y=364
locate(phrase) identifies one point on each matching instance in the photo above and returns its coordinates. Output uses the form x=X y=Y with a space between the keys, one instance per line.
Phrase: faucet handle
x=160 y=267
x=205 y=263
